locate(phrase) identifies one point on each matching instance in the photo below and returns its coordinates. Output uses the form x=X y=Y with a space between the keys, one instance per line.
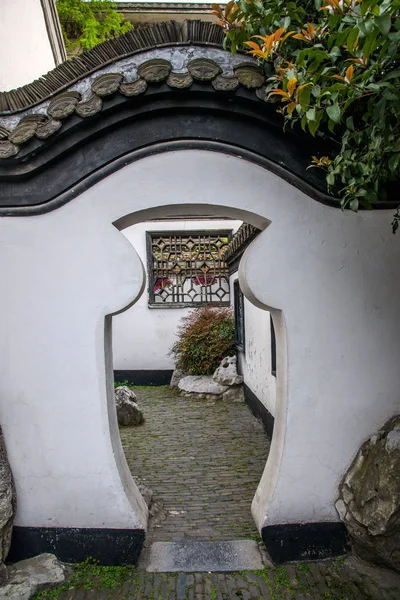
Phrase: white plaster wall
x=25 y=51
x=255 y=361
x=329 y=278
x=155 y=327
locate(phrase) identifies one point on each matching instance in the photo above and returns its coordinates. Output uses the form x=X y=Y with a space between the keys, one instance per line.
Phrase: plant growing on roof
x=335 y=70
x=205 y=336
x=86 y=24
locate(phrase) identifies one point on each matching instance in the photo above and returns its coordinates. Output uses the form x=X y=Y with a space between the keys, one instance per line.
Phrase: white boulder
x=227 y=374
x=201 y=386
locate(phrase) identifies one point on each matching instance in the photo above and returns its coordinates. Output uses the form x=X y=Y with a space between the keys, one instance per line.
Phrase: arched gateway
x=162 y=122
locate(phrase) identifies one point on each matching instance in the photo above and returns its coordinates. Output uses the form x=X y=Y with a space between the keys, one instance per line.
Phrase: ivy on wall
x=86 y=24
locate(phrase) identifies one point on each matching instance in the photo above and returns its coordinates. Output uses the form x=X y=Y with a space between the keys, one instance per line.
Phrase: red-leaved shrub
x=205 y=337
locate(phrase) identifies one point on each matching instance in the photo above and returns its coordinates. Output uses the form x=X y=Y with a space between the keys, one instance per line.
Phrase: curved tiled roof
x=155 y=89
x=139 y=39
x=239 y=242
x=87 y=97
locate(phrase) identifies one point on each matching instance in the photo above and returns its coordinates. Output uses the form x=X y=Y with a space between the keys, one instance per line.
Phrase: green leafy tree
x=335 y=68
x=86 y=24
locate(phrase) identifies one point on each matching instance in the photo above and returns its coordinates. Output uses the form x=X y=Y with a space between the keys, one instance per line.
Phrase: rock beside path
x=28 y=577
x=7 y=502
x=225 y=384
x=369 y=502
x=128 y=411
x=234 y=393
x=177 y=375
x=227 y=374
x=201 y=386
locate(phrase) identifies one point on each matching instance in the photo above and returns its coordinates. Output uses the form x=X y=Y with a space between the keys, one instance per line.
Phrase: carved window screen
x=186 y=268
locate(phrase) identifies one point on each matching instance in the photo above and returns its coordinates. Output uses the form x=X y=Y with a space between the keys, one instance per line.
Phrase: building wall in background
x=156 y=328
x=255 y=361
x=30 y=41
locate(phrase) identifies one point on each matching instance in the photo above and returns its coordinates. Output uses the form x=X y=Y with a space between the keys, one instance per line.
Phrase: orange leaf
x=253 y=45
x=216 y=10
x=278 y=34
x=331 y=4
x=291 y=85
x=279 y=92
x=229 y=7
x=349 y=73
x=360 y=61
x=264 y=38
x=269 y=44
x=289 y=33
x=259 y=53
x=338 y=77
x=299 y=36
x=291 y=107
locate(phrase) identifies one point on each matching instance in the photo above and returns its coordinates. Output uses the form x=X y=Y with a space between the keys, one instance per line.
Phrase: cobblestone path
x=203 y=462
x=328 y=580
x=202 y=459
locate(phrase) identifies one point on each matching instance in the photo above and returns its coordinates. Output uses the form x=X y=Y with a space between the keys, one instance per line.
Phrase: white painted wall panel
x=329 y=278
x=255 y=361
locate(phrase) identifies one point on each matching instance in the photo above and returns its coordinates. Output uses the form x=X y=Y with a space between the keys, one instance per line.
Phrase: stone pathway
x=203 y=462
x=330 y=580
x=202 y=459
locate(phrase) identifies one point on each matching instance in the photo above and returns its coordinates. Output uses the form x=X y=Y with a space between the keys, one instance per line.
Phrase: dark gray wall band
x=259 y=410
x=143 y=376
x=70 y=544
x=305 y=541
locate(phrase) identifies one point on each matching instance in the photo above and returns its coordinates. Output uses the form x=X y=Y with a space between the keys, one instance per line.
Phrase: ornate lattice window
x=186 y=268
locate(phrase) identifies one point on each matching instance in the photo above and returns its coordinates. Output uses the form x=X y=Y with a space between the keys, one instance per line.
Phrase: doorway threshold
x=200 y=556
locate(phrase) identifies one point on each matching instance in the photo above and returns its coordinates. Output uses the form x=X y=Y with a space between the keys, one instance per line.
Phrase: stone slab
x=201 y=384
x=194 y=556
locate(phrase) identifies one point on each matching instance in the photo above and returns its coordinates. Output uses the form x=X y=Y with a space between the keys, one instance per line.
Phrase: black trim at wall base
x=143 y=377
x=259 y=410
x=305 y=541
x=108 y=546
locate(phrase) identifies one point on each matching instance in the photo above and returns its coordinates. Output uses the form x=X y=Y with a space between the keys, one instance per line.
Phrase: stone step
x=197 y=556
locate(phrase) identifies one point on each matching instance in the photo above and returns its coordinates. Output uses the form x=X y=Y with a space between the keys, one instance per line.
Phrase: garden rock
x=29 y=577
x=7 y=501
x=146 y=493
x=227 y=374
x=234 y=394
x=3 y=575
x=369 y=502
x=128 y=411
x=202 y=386
x=177 y=375
x=149 y=498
